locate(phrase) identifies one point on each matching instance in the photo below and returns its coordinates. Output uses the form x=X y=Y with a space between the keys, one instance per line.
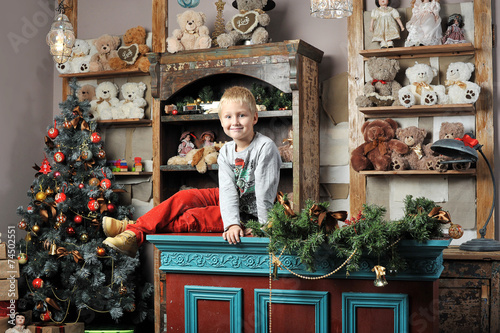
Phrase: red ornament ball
x=174 y=112
x=22 y=224
x=78 y=219
x=95 y=137
x=30 y=209
x=81 y=185
x=61 y=218
x=105 y=183
x=111 y=207
x=93 y=205
x=45 y=316
x=67 y=124
x=37 y=283
x=59 y=157
x=101 y=154
x=57 y=174
x=70 y=231
x=100 y=251
x=53 y=133
x=60 y=197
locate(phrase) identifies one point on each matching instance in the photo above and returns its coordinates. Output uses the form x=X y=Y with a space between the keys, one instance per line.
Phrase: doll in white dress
x=424 y=27
x=383 y=24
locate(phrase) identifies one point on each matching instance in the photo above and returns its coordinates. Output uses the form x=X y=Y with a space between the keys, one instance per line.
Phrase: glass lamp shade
x=61 y=38
x=330 y=9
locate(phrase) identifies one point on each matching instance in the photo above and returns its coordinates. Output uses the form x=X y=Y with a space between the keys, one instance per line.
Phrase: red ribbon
x=381 y=81
x=468 y=141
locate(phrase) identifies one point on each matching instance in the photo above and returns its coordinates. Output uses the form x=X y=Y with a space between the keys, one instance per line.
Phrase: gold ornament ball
x=40 y=196
x=455 y=231
x=94 y=181
x=84 y=237
x=36 y=228
x=101 y=251
x=49 y=191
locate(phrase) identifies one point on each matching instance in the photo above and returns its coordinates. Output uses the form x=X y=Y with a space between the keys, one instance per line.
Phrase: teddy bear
x=132 y=106
x=106 y=46
x=248 y=25
x=420 y=91
x=192 y=35
x=286 y=151
x=86 y=93
x=382 y=90
x=79 y=59
x=199 y=158
x=458 y=87
x=450 y=131
x=133 y=53
x=380 y=143
x=416 y=157
x=105 y=102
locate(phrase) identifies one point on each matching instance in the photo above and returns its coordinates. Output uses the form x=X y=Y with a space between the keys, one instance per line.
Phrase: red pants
x=188 y=210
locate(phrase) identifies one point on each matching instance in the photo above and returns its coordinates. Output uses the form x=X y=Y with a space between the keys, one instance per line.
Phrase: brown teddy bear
x=286 y=151
x=415 y=158
x=133 y=53
x=192 y=35
x=379 y=144
x=450 y=131
x=106 y=46
x=199 y=158
x=382 y=90
x=86 y=93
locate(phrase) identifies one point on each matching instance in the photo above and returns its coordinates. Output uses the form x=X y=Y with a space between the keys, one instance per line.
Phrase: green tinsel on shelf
x=368 y=233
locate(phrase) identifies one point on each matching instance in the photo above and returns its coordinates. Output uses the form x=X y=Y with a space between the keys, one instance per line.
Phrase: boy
x=249 y=169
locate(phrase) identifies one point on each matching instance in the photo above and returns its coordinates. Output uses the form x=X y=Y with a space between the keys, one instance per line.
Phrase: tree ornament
x=86 y=154
x=36 y=228
x=131 y=309
x=105 y=183
x=57 y=174
x=123 y=290
x=41 y=196
x=78 y=219
x=22 y=225
x=93 y=205
x=455 y=231
x=70 y=231
x=59 y=157
x=81 y=185
x=100 y=251
x=60 y=197
x=61 y=218
x=45 y=316
x=84 y=237
x=57 y=225
x=53 y=132
x=22 y=258
x=49 y=191
x=95 y=137
x=30 y=209
x=67 y=124
x=101 y=154
x=45 y=168
x=380 y=280
x=111 y=207
x=94 y=181
x=37 y=283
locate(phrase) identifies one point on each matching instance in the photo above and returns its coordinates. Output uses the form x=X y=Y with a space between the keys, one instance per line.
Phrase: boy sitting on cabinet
x=249 y=171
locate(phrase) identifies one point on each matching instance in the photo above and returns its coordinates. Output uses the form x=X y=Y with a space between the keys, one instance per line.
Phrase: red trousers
x=189 y=210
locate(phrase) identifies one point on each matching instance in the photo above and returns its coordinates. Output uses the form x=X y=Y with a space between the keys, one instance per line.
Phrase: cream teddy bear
x=192 y=35
x=79 y=62
x=458 y=87
x=106 y=102
x=420 y=91
x=132 y=106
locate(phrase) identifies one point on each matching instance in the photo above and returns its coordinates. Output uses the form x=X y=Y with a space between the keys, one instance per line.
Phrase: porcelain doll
x=383 y=24
x=19 y=327
x=207 y=139
x=186 y=144
x=454 y=34
x=424 y=27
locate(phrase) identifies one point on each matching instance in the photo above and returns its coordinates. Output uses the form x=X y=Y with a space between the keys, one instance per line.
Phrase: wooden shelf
x=132 y=122
x=174 y=168
x=419 y=111
x=106 y=74
x=215 y=116
x=132 y=173
x=421 y=51
x=418 y=172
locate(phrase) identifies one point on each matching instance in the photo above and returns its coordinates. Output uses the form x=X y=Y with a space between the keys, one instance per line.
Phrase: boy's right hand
x=233 y=233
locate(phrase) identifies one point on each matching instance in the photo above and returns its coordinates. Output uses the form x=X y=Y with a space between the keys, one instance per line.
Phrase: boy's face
x=237 y=122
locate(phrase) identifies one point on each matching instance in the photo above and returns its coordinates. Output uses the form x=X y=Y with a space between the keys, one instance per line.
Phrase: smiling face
x=237 y=122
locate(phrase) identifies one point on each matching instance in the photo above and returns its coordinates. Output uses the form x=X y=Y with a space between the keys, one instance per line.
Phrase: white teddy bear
x=132 y=106
x=105 y=102
x=79 y=60
x=420 y=91
x=458 y=87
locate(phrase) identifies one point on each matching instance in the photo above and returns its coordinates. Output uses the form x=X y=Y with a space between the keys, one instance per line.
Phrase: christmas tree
x=66 y=267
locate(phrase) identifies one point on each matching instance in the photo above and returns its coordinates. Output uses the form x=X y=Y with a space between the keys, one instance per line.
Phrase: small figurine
x=207 y=139
x=383 y=24
x=454 y=34
x=186 y=144
x=19 y=325
x=424 y=27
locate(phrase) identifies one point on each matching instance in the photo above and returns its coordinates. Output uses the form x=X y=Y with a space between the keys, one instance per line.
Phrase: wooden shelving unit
x=419 y=111
x=421 y=51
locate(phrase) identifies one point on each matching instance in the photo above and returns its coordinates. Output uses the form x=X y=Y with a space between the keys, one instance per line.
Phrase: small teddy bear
x=192 y=35
x=458 y=87
x=249 y=24
x=382 y=90
x=86 y=93
x=79 y=60
x=380 y=143
x=420 y=91
x=106 y=46
x=106 y=102
x=450 y=131
x=416 y=157
x=132 y=55
x=286 y=151
x=132 y=106
x=199 y=158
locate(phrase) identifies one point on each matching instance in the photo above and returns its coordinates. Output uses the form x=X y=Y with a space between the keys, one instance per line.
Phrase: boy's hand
x=233 y=234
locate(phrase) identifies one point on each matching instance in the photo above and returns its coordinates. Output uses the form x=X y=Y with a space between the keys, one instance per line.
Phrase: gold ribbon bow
x=103 y=100
x=418 y=150
x=62 y=252
x=280 y=197
x=441 y=215
x=421 y=85
x=78 y=113
x=461 y=84
x=326 y=219
x=380 y=143
x=44 y=213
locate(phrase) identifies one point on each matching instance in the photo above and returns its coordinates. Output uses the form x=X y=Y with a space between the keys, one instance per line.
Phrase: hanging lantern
x=331 y=9
x=61 y=36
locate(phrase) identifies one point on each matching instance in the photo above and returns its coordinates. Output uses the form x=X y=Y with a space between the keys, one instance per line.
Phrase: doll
x=207 y=139
x=454 y=34
x=383 y=24
x=186 y=144
x=424 y=27
x=19 y=325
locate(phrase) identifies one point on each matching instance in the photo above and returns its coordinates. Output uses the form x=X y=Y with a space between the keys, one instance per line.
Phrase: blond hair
x=240 y=95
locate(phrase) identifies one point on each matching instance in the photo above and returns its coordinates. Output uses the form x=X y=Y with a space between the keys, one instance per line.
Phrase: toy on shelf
x=454 y=33
x=186 y=144
x=170 y=108
x=107 y=47
x=133 y=104
x=450 y=131
x=79 y=62
x=458 y=87
x=207 y=138
x=383 y=24
x=199 y=158
x=286 y=151
x=192 y=35
x=105 y=103
x=137 y=164
x=132 y=55
x=86 y=93
x=424 y=27
x=420 y=91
